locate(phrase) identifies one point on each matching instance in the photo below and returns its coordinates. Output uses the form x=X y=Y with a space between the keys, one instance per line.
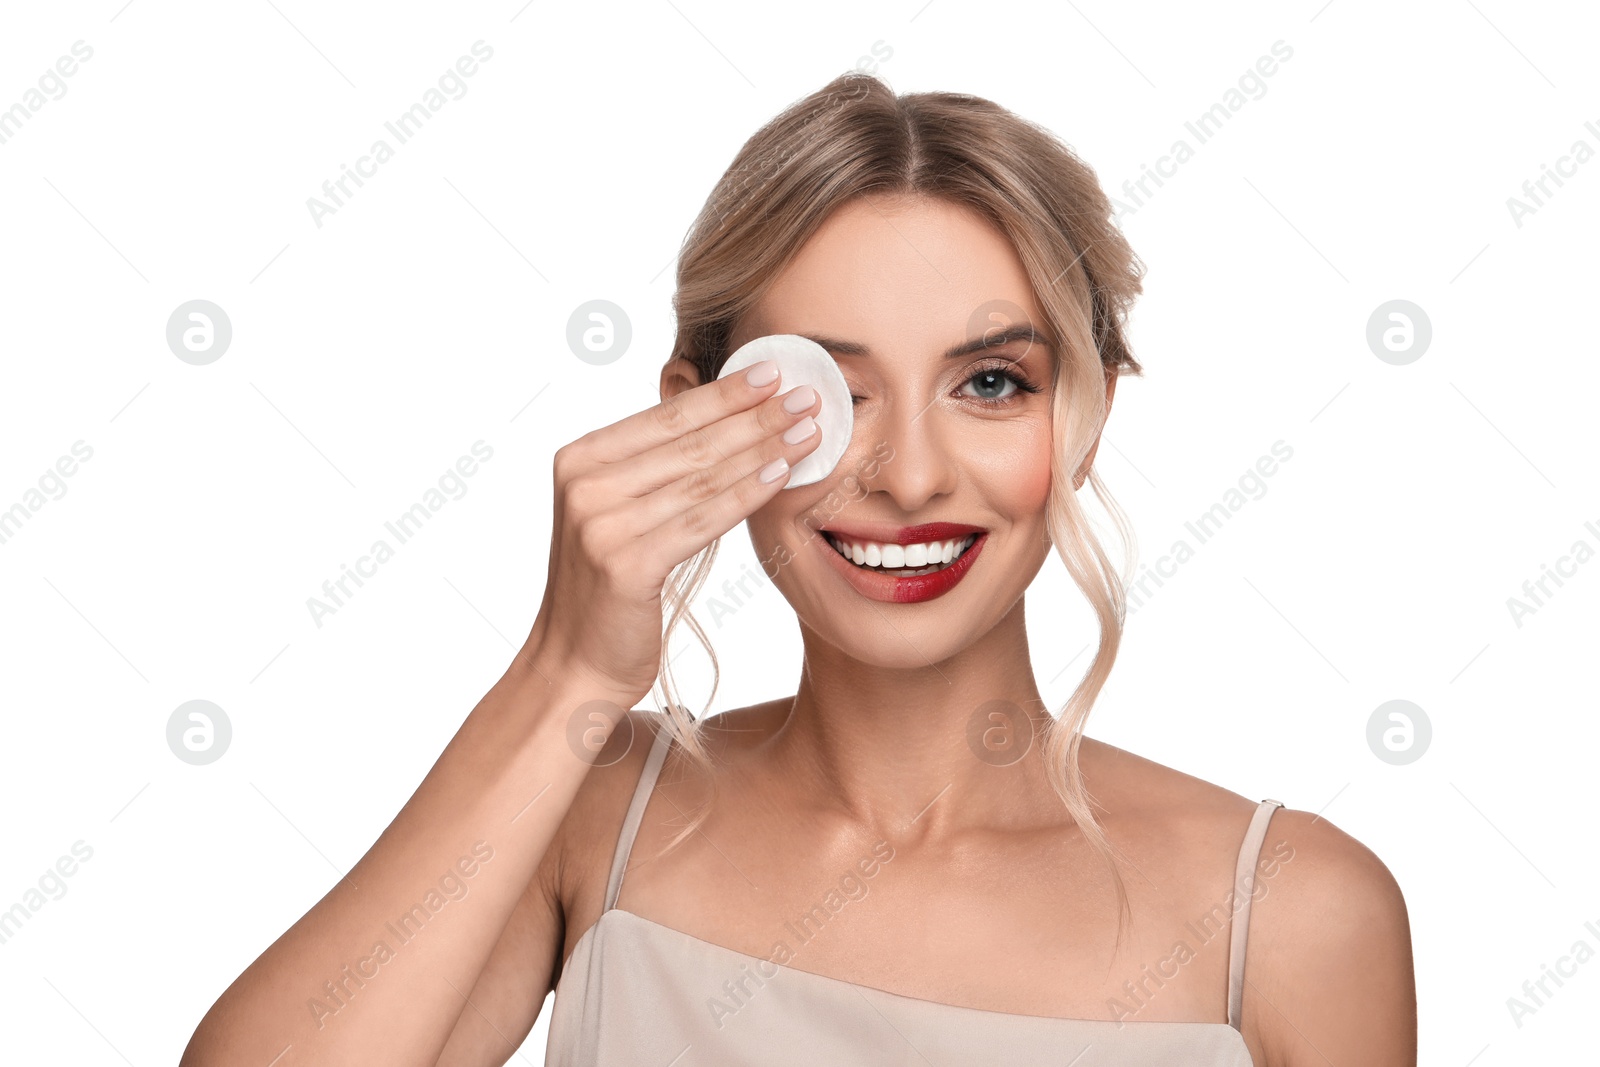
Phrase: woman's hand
x=638 y=497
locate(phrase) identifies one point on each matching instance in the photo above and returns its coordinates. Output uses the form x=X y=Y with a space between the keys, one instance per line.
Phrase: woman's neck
x=932 y=747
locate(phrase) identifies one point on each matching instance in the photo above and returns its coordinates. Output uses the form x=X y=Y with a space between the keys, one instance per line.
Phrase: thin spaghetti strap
x=630 y=823
x=1244 y=882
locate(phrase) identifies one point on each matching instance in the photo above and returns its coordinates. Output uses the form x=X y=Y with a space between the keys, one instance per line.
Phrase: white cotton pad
x=804 y=362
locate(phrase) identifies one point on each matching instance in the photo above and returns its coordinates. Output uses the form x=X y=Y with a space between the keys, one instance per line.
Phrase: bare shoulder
x=597 y=811
x=1171 y=819
x=1329 y=967
x=578 y=862
x=586 y=842
x=1328 y=964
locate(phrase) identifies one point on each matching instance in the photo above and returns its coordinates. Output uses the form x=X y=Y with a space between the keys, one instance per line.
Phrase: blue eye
x=1002 y=372
x=1023 y=385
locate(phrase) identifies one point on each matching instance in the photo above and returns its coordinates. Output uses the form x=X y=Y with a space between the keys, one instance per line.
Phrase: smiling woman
x=908 y=236
x=963 y=268
x=1051 y=899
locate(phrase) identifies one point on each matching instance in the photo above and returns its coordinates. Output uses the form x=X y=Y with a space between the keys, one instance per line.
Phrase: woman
x=910 y=860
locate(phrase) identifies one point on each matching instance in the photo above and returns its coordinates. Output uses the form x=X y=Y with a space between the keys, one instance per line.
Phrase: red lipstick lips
x=885 y=534
x=889 y=589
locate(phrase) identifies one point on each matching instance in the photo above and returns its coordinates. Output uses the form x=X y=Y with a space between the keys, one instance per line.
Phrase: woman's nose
x=922 y=456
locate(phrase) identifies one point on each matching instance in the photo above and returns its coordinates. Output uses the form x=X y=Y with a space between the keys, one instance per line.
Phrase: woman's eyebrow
x=1022 y=331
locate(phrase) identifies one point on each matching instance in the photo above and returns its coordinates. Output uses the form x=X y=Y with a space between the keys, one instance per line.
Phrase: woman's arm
x=326 y=991
x=1328 y=967
x=498 y=1013
x=377 y=970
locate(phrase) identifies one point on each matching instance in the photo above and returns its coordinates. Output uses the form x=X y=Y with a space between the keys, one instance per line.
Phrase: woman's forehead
x=919 y=276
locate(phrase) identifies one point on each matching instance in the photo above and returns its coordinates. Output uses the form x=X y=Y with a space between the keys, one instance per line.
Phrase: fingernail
x=763 y=373
x=800 y=430
x=774 y=470
x=800 y=399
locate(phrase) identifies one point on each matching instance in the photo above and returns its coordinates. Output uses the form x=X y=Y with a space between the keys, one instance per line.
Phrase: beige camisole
x=637 y=992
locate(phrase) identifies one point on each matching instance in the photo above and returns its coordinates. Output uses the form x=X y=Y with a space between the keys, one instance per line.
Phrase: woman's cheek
x=1038 y=480
x=1032 y=462
x=778 y=533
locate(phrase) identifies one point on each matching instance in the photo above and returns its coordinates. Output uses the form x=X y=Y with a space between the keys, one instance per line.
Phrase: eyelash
x=1003 y=369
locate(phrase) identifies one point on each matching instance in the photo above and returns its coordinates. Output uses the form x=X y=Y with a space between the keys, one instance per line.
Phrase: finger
x=686 y=516
x=693 y=409
x=703 y=448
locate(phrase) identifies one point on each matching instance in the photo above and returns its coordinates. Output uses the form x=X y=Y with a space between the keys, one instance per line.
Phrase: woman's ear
x=1088 y=461
x=678 y=374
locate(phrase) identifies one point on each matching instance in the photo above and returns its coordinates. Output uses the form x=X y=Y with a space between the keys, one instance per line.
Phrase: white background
x=427 y=312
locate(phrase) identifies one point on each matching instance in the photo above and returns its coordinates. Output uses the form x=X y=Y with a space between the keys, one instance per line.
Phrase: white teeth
x=926 y=557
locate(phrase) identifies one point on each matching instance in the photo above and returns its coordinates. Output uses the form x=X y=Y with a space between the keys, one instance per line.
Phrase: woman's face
x=889 y=286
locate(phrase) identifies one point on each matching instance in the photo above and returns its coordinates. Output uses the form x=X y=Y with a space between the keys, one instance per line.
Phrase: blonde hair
x=855 y=137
